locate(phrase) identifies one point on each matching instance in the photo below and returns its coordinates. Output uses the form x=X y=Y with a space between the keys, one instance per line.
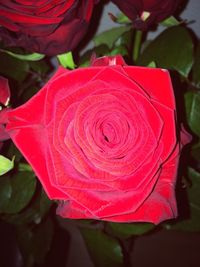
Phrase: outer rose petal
x=82 y=115
x=159 y=206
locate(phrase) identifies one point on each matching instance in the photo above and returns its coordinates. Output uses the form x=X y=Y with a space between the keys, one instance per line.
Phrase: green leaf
x=13 y=68
x=35 y=212
x=12 y=150
x=66 y=60
x=44 y=205
x=5 y=192
x=152 y=64
x=121 y=49
x=126 y=230
x=126 y=39
x=195 y=151
x=29 y=57
x=41 y=67
x=42 y=240
x=192 y=105
x=5 y=165
x=194 y=191
x=104 y=250
x=196 y=67
x=23 y=187
x=109 y=37
x=171 y=21
x=25 y=167
x=170 y=52
x=121 y=18
x=24 y=237
x=35 y=243
x=191 y=224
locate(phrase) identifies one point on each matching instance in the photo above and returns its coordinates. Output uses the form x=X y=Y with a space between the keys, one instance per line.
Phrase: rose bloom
x=49 y=27
x=145 y=12
x=102 y=140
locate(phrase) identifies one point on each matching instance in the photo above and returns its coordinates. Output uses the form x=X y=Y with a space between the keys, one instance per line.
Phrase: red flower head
x=102 y=140
x=50 y=27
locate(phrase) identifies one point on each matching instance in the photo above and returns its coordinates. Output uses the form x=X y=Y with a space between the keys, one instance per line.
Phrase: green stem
x=137 y=45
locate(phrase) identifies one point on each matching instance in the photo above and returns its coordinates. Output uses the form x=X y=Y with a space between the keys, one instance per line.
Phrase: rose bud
x=102 y=140
x=48 y=27
x=143 y=13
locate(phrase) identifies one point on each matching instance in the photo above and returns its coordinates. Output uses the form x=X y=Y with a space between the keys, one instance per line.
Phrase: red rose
x=145 y=12
x=49 y=27
x=102 y=140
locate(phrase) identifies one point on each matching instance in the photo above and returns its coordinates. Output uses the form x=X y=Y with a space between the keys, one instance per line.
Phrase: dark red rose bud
x=143 y=13
x=48 y=27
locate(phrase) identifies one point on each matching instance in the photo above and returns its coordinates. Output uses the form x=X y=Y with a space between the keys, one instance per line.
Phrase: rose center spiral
x=108 y=133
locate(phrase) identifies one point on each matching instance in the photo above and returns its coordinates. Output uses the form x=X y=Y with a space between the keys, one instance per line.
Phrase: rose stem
x=137 y=44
